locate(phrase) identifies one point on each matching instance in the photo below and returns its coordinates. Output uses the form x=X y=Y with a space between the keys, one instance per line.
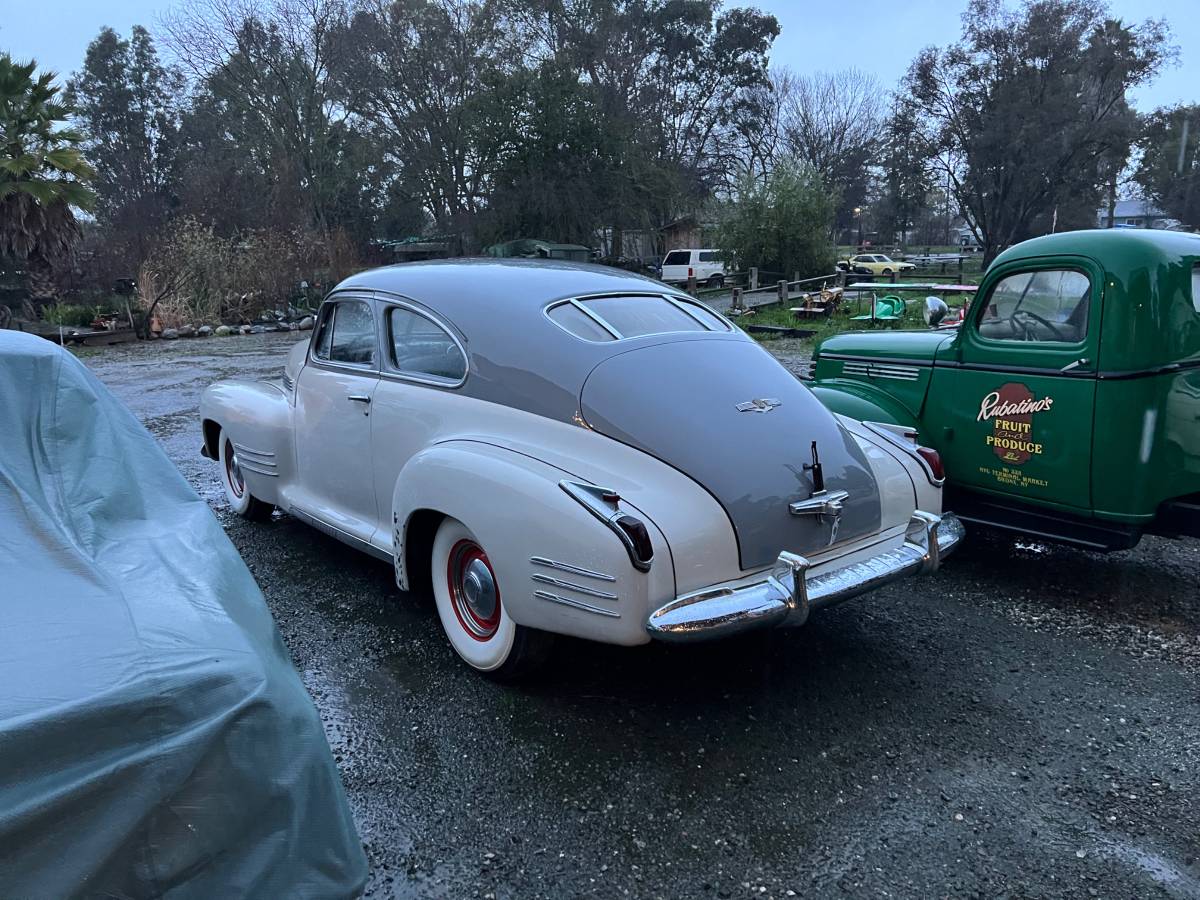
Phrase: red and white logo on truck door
x=1011 y=409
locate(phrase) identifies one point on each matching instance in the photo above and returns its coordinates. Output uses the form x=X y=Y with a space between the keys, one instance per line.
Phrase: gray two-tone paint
x=674 y=396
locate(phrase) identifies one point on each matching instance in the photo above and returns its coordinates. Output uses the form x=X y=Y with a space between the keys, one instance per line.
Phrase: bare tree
x=272 y=58
x=833 y=122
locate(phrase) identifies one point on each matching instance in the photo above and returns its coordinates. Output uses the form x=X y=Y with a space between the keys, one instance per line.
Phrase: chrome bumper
x=789 y=594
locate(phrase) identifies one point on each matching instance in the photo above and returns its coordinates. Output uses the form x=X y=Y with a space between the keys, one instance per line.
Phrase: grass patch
x=779 y=314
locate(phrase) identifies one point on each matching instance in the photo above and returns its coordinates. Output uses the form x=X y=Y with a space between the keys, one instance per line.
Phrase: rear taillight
x=934 y=460
x=691 y=271
x=641 y=552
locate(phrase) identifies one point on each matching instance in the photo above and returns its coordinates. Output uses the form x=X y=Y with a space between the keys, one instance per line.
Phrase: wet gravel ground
x=1024 y=723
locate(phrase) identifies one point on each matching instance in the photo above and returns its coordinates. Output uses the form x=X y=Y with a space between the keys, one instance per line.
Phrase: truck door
x=1011 y=408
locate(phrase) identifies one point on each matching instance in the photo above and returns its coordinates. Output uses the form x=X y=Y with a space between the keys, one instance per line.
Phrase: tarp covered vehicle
x=155 y=739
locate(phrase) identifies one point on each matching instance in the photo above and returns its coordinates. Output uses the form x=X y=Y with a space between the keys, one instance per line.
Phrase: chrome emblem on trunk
x=761 y=405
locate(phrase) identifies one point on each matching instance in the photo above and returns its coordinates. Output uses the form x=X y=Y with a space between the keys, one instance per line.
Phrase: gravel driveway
x=1024 y=723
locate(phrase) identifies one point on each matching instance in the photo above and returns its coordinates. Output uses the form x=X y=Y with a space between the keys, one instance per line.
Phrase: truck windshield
x=1046 y=305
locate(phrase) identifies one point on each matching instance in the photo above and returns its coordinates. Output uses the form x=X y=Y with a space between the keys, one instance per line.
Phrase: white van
x=706 y=265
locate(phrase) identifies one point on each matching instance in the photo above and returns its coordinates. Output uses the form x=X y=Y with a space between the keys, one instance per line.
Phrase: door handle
x=359 y=398
x=1078 y=364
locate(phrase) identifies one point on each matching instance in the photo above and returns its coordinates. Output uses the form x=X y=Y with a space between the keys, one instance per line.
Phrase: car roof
x=517 y=356
x=486 y=285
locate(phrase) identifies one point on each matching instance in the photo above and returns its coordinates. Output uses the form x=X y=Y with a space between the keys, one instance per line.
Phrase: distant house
x=688 y=232
x=1134 y=214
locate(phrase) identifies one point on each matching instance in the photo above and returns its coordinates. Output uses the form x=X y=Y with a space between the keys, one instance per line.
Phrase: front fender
x=514 y=506
x=862 y=402
x=258 y=418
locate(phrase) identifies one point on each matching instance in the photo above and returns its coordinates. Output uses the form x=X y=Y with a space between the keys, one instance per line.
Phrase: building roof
x=1133 y=209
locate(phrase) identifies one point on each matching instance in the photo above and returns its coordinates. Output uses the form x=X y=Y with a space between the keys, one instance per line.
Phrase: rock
x=245 y=329
x=306 y=323
x=187 y=331
x=170 y=334
x=223 y=331
x=256 y=329
x=204 y=331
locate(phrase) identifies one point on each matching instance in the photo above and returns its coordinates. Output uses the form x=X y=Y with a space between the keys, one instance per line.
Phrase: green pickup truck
x=1067 y=404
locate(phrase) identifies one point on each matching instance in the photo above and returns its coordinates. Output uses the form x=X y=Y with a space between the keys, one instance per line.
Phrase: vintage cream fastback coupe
x=565 y=448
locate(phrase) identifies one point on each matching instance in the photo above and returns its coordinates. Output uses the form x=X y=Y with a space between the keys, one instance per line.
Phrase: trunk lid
x=691 y=403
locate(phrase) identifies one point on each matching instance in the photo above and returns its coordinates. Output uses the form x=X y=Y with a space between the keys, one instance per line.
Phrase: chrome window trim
x=594 y=316
x=322 y=323
x=679 y=302
x=684 y=304
x=392 y=372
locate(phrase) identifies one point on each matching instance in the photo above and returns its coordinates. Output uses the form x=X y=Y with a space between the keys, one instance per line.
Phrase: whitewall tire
x=237 y=493
x=471 y=607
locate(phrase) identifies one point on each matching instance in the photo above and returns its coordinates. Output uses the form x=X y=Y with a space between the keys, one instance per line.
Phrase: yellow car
x=873 y=264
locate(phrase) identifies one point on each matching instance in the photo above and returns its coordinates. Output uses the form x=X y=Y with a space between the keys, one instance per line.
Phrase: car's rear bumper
x=788 y=594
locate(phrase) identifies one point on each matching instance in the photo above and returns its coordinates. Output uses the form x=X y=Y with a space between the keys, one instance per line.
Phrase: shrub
x=196 y=275
x=782 y=224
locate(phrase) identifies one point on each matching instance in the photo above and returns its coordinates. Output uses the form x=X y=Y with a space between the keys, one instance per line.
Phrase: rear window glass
x=579 y=323
x=677 y=258
x=613 y=318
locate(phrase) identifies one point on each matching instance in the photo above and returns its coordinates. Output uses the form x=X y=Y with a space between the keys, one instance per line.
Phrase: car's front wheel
x=471 y=608
x=237 y=493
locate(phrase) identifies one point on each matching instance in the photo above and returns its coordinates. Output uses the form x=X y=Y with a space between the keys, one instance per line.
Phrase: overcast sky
x=878 y=36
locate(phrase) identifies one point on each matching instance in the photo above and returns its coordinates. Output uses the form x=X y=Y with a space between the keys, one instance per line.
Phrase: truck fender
x=862 y=402
x=515 y=507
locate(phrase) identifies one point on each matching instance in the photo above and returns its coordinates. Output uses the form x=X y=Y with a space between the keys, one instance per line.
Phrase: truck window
x=1046 y=305
x=710 y=256
x=1196 y=287
x=677 y=258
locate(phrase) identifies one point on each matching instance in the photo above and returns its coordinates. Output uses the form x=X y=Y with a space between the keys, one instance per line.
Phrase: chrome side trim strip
x=591 y=592
x=334 y=532
x=881 y=370
x=266 y=454
x=253 y=465
x=576 y=604
x=567 y=567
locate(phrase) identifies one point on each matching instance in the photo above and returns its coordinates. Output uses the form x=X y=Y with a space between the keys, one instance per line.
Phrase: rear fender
x=257 y=417
x=514 y=505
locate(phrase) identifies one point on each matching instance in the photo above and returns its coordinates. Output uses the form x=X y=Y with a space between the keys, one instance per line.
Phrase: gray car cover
x=155 y=740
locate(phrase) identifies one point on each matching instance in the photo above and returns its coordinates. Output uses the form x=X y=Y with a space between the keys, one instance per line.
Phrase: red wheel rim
x=474 y=595
x=233 y=472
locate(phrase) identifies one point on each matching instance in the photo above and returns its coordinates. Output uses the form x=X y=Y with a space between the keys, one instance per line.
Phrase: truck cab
x=1067 y=404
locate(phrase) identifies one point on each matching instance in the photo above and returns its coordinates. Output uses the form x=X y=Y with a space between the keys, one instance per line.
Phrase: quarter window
x=422 y=347
x=1048 y=305
x=678 y=258
x=348 y=334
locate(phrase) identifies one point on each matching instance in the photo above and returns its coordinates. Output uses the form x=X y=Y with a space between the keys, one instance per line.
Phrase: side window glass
x=422 y=347
x=1047 y=305
x=353 y=334
x=325 y=333
x=1196 y=287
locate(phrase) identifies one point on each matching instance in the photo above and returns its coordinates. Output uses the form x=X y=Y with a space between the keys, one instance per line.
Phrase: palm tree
x=43 y=176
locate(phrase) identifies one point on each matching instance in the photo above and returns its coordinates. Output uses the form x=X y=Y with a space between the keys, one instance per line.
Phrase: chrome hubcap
x=234 y=470
x=479 y=589
x=473 y=591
